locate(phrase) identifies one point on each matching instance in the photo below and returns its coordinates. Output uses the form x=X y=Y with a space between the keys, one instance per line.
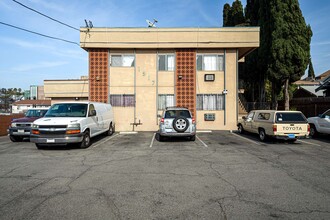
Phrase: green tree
x=237 y=14
x=226 y=15
x=289 y=46
x=233 y=15
x=311 y=73
x=6 y=97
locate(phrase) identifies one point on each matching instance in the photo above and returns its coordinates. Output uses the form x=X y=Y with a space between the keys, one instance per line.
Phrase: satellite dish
x=151 y=24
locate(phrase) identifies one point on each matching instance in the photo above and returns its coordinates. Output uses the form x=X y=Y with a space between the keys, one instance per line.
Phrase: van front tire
x=86 y=142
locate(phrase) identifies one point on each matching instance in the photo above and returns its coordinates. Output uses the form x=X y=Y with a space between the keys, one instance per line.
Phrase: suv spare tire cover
x=180 y=124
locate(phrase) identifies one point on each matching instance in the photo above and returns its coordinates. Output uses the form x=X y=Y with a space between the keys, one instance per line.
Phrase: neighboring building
x=33 y=92
x=23 y=105
x=323 y=76
x=307 y=92
x=37 y=92
x=66 y=89
x=324 y=87
x=27 y=94
x=140 y=71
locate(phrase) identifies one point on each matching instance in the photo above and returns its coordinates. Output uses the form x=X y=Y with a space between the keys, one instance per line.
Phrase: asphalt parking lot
x=222 y=175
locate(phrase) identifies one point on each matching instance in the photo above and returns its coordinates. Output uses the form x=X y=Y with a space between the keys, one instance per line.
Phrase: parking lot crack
x=222 y=209
x=110 y=202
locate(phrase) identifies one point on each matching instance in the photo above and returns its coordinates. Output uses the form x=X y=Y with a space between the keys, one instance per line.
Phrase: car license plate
x=20 y=131
x=291 y=135
x=50 y=140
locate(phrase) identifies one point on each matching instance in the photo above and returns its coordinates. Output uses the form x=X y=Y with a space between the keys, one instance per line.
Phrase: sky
x=28 y=59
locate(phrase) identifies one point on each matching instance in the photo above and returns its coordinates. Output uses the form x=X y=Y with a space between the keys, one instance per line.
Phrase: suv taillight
x=193 y=120
x=308 y=128
x=162 y=120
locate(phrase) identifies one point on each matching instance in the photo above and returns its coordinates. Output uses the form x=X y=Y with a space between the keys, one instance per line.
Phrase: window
x=166 y=62
x=165 y=100
x=264 y=116
x=210 y=62
x=122 y=100
x=122 y=60
x=210 y=102
x=290 y=117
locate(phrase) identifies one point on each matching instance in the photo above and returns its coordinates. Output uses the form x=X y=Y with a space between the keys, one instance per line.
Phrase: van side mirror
x=92 y=113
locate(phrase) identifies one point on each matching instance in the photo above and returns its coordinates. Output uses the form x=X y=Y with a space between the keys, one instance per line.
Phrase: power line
x=45 y=15
x=43 y=35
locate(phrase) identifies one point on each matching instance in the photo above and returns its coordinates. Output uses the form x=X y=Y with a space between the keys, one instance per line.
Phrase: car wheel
x=111 y=130
x=313 y=132
x=39 y=146
x=15 y=138
x=262 y=134
x=240 y=129
x=159 y=137
x=86 y=142
x=180 y=124
x=193 y=138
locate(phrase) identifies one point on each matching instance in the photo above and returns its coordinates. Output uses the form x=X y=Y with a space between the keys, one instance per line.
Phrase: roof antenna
x=90 y=24
x=86 y=23
x=151 y=24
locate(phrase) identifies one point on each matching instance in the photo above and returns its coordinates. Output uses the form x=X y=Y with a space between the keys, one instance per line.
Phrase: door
x=93 y=120
x=248 y=121
x=324 y=122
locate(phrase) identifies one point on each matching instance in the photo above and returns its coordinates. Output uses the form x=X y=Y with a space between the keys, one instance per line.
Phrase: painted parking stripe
x=245 y=138
x=305 y=142
x=152 y=140
x=109 y=138
x=205 y=145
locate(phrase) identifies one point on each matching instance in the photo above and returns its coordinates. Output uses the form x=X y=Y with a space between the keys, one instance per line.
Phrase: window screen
x=122 y=100
x=165 y=100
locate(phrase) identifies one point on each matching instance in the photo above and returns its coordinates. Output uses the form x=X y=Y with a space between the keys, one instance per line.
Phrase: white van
x=73 y=122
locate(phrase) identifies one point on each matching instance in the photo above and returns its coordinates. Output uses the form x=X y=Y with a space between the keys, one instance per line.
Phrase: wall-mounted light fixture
x=180 y=76
x=97 y=78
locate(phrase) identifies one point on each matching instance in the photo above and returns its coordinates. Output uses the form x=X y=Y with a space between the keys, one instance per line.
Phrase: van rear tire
x=111 y=130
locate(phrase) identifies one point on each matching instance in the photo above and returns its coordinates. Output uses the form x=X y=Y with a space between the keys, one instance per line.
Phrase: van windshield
x=67 y=110
x=290 y=117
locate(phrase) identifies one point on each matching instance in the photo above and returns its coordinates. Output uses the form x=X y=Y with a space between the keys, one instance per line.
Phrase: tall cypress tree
x=226 y=15
x=289 y=48
x=233 y=15
x=311 y=73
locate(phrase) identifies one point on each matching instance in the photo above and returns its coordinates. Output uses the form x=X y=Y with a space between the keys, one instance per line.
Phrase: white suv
x=177 y=122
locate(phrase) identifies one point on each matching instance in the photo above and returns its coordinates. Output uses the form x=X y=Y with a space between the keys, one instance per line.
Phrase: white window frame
x=219 y=62
x=167 y=98
x=122 y=61
x=121 y=99
x=167 y=66
x=211 y=102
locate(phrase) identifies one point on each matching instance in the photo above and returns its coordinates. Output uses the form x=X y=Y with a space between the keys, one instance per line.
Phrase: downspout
x=224 y=87
x=157 y=67
x=134 y=89
x=237 y=86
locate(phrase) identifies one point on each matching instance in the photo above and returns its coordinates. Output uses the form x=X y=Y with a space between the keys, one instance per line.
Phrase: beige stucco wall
x=66 y=88
x=245 y=38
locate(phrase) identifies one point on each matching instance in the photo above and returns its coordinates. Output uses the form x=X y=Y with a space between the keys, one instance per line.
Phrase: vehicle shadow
x=75 y=146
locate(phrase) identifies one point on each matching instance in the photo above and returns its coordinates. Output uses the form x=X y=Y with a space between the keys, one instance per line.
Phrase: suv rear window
x=177 y=113
x=290 y=117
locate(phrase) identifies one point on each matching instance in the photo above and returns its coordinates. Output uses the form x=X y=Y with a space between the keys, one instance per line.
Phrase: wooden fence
x=5 y=121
